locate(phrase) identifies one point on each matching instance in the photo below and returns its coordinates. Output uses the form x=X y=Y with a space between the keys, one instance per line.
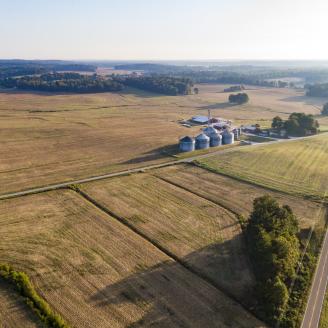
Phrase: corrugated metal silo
x=202 y=141
x=228 y=138
x=187 y=144
x=215 y=137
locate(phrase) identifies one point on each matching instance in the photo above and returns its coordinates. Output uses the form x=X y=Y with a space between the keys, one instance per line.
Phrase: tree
x=240 y=98
x=274 y=250
x=277 y=123
x=325 y=109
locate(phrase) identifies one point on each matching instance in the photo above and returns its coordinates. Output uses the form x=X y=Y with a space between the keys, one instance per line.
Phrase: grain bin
x=215 y=137
x=227 y=138
x=202 y=141
x=187 y=144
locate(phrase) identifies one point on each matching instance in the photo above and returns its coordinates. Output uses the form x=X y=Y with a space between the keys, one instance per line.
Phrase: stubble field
x=96 y=272
x=48 y=138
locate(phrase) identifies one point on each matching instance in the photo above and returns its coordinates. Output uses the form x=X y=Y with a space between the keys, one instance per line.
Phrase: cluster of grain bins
x=210 y=137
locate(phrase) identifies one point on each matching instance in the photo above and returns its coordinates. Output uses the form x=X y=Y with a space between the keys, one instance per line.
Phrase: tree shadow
x=217 y=106
x=173 y=296
x=155 y=154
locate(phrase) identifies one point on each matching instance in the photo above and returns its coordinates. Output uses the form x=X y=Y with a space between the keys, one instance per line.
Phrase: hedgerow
x=24 y=286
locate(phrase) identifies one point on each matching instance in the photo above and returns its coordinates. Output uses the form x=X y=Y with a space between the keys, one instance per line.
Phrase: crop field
x=200 y=233
x=236 y=195
x=13 y=310
x=96 y=272
x=297 y=167
x=49 y=138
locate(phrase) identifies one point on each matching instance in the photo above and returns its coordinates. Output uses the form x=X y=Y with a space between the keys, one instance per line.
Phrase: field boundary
x=168 y=253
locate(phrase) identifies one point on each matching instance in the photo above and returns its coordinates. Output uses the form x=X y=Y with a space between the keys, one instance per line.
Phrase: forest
x=317 y=90
x=63 y=82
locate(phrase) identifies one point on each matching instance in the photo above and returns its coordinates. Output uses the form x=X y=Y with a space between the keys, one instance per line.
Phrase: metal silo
x=228 y=138
x=236 y=134
x=187 y=144
x=202 y=141
x=215 y=137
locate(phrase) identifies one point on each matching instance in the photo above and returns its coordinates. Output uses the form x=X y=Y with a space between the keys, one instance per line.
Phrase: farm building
x=200 y=119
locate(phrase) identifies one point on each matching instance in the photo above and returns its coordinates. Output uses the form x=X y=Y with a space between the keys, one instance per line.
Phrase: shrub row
x=24 y=286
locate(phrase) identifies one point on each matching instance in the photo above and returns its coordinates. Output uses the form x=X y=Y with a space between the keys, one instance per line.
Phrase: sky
x=164 y=29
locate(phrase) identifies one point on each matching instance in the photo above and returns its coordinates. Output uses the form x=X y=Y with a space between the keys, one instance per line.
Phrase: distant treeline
x=159 y=84
x=63 y=82
x=12 y=68
x=78 y=83
x=233 y=74
x=317 y=90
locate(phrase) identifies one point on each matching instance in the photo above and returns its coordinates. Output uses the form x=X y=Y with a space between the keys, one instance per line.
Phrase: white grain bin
x=187 y=144
x=215 y=137
x=228 y=138
x=202 y=141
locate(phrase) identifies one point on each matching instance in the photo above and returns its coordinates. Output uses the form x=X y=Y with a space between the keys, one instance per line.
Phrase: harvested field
x=198 y=232
x=236 y=195
x=299 y=167
x=49 y=138
x=13 y=310
x=97 y=273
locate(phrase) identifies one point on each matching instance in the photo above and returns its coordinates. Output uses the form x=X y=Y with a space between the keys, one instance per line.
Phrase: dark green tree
x=325 y=109
x=277 y=123
x=274 y=249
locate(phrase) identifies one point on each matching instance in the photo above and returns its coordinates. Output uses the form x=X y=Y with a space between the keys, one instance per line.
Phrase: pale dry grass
x=200 y=233
x=97 y=273
x=48 y=138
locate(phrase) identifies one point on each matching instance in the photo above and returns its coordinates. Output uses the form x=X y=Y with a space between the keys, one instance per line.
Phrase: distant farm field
x=48 y=138
x=198 y=232
x=298 y=167
x=96 y=272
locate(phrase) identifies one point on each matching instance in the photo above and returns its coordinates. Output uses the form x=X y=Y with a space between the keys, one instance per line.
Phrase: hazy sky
x=164 y=29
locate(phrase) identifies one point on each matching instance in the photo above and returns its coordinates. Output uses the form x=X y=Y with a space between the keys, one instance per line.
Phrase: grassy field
x=200 y=233
x=236 y=195
x=298 y=167
x=47 y=138
x=97 y=273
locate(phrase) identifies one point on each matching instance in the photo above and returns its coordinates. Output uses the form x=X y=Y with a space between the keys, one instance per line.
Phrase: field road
x=316 y=298
x=136 y=170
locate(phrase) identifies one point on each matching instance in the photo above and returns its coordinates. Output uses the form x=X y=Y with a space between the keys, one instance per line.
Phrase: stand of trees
x=167 y=85
x=240 y=98
x=325 y=109
x=63 y=82
x=275 y=251
x=317 y=90
x=298 y=124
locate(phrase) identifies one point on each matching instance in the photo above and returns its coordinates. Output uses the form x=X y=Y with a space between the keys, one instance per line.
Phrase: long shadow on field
x=154 y=154
x=217 y=106
x=171 y=295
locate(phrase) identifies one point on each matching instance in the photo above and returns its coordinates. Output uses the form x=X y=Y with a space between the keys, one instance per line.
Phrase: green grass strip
x=23 y=285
